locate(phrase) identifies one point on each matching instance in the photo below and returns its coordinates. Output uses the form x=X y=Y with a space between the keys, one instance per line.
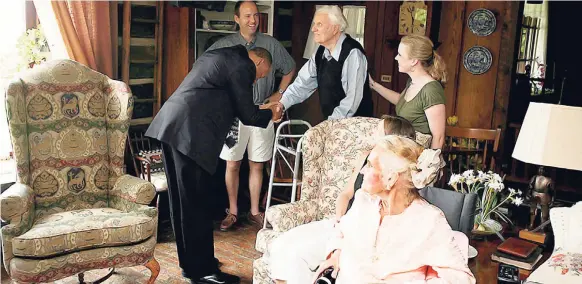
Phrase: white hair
x=335 y=16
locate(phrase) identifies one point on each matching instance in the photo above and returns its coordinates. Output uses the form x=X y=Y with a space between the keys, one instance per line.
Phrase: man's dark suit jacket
x=199 y=114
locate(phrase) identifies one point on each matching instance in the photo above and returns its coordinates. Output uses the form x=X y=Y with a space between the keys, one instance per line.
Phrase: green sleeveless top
x=432 y=93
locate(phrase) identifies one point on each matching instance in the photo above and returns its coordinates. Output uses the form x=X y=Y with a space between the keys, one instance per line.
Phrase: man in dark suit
x=192 y=127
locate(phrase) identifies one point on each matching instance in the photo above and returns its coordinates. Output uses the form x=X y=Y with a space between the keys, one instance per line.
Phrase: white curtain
x=311 y=46
x=539 y=11
x=356 y=17
x=51 y=30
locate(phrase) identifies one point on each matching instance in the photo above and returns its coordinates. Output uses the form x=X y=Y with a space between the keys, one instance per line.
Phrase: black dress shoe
x=218 y=278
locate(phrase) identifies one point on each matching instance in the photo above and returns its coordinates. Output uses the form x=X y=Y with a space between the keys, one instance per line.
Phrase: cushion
x=159 y=180
x=562 y=267
x=573 y=241
x=76 y=230
x=459 y=208
x=155 y=159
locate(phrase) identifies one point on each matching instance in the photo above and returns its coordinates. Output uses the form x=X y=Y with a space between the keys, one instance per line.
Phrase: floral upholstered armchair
x=565 y=264
x=72 y=209
x=330 y=150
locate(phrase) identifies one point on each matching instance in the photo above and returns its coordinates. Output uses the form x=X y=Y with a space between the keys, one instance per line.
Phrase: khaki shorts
x=257 y=141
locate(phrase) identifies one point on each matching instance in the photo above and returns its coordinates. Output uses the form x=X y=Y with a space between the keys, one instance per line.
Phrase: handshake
x=277 y=110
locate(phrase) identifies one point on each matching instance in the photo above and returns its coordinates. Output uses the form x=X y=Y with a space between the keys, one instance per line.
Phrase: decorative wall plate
x=477 y=60
x=482 y=22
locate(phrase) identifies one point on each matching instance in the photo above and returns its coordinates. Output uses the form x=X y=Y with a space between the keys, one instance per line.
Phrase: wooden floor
x=235 y=251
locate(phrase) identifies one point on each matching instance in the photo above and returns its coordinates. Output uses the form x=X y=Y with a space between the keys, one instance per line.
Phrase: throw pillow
x=154 y=158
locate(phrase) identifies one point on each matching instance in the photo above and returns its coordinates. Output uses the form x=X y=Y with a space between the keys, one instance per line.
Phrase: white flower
x=469 y=180
x=512 y=190
x=455 y=179
x=497 y=186
x=481 y=176
x=497 y=178
x=519 y=192
x=468 y=173
x=518 y=201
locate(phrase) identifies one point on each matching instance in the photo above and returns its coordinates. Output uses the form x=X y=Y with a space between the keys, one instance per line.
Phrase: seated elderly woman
x=303 y=248
x=392 y=235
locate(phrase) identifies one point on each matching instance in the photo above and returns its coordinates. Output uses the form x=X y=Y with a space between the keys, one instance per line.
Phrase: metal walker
x=278 y=150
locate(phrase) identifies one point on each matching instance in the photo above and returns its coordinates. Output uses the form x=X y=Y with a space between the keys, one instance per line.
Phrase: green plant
x=32 y=48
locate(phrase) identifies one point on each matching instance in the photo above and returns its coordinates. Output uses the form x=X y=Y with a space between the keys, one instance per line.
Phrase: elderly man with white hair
x=338 y=70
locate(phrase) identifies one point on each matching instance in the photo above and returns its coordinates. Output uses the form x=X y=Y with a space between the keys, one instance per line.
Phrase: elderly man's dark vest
x=329 y=80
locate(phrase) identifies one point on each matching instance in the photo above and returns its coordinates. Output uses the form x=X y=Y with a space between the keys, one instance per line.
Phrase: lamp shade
x=551 y=135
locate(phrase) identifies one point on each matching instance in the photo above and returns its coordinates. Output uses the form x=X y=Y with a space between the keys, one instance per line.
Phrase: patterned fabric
x=51 y=269
x=424 y=139
x=80 y=229
x=329 y=151
x=154 y=159
x=68 y=126
x=261 y=271
x=565 y=264
x=133 y=189
x=264 y=238
x=285 y=217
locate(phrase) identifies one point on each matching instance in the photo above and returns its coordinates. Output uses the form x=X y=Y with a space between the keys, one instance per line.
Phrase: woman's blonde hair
x=422 y=166
x=408 y=150
x=422 y=48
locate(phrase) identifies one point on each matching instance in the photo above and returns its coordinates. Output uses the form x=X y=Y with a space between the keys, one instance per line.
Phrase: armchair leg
x=154 y=267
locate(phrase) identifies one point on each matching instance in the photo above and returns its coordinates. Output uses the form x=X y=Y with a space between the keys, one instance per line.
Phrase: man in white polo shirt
x=257 y=141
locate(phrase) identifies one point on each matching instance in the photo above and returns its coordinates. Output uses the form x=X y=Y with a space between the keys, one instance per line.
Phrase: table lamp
x=550 y=136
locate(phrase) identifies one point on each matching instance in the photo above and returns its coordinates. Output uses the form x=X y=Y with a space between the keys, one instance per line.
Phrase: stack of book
x=518 y=252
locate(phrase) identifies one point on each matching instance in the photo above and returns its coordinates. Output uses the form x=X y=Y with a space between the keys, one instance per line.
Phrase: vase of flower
x=491 y=193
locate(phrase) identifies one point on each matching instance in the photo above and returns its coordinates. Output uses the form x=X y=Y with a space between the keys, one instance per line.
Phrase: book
x=517 y=247
x=524 y=263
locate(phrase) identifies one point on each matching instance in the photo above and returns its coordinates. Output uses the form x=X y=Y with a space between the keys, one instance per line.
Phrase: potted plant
x=32 y=48
x=491 y=193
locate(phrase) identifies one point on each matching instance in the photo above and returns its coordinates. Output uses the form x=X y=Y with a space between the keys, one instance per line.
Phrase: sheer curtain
x=356 y=17
x=311 y=46
x=81 y=31
x=539 y=11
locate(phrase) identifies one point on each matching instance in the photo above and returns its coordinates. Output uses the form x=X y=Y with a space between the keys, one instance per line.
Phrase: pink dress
x=416 y=246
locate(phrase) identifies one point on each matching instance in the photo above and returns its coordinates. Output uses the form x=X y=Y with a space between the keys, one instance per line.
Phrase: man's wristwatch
x=281 y=91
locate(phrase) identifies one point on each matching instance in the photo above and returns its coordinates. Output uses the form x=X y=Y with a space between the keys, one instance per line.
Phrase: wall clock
x=412 y=18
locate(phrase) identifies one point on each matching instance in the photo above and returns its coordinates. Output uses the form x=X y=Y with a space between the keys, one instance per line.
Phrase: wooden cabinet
x=141 y=30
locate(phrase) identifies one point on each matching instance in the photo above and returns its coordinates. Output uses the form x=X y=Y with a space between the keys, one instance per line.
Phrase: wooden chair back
x=470 y=148
x=137 y=142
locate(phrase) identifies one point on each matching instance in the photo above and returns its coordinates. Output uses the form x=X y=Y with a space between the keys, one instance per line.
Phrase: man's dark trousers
x=189 y=191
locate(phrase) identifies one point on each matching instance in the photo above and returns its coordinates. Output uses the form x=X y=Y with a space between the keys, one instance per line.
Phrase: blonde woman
x=423 y=100
x=391 y=234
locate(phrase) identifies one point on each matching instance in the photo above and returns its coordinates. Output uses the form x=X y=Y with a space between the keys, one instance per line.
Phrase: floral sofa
x=72 y=208
x=565 y=264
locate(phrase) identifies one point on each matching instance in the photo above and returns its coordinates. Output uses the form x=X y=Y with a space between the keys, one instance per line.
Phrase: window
x=12 y=25
x=533 y=44
x=356 y=17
